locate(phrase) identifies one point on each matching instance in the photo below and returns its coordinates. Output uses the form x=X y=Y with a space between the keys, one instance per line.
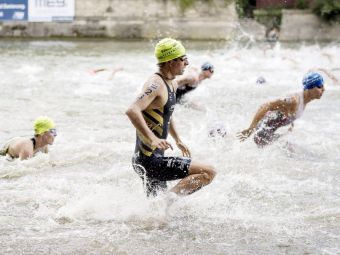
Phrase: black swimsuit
x=182 y=91
x=148 y=161
x=34 y=142
x=158 y=120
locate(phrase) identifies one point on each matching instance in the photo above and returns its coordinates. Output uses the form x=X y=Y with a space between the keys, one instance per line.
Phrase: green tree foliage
x=327 y=9
x=186 y=4
x=301 y=4
x=241 y=7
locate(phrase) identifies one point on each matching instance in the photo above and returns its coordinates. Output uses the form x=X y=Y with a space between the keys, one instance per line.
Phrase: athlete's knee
x=209 y=173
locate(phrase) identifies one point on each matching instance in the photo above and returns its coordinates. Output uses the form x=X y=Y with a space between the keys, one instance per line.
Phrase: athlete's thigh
x=169 y=168
x=197 y=167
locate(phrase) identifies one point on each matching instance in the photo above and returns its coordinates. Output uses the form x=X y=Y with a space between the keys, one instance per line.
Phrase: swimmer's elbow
x=131 y=111
x=128 y=111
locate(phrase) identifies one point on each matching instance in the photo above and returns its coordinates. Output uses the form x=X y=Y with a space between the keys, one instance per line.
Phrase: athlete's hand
x=161 y=144
x=243 y=135
x=185 y=150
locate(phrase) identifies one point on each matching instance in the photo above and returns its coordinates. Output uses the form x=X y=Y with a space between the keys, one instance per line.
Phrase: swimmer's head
x=168 y=49
x=312 y=80
x=207 y=70
x=218 y=130
x=207 y=66
x=43 y=124
x=260 y=80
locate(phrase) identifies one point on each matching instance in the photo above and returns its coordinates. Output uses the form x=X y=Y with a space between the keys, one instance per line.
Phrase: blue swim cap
x=312 y=80
x=207 y=66
x=260 y=80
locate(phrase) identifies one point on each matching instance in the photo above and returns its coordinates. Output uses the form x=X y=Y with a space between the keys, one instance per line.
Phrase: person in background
x=191 y=80
x=112 y=71
x=283 y=112
x=24 y=147
x=328 y=73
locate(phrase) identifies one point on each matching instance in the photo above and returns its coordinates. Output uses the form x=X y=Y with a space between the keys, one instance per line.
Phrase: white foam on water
x=84 y=197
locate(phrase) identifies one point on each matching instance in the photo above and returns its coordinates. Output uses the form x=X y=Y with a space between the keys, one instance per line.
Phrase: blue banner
x=13 y=10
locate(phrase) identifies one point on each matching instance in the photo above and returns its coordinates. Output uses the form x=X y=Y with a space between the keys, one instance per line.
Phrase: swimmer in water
x=151 y=115
x=112 y=71
x=283 y=112
x=190 y=81
x=24 y=147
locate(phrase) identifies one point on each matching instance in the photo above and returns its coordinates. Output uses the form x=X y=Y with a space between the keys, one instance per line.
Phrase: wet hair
x=161 y=65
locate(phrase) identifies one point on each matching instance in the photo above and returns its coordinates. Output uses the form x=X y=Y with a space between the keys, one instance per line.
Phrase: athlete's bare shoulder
x=20 y=144
x=154 y=81
x=290 y=102
x=21 y=141
x=152 y=86
x=280 y=104
x=153 y=93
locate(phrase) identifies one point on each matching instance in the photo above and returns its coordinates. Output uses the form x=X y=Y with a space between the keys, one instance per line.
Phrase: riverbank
x=204 y=20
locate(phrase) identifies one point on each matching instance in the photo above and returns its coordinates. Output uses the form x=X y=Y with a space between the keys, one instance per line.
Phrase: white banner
x=50 y=10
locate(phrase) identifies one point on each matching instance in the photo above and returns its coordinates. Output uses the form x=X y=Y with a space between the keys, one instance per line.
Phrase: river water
x=84 y=198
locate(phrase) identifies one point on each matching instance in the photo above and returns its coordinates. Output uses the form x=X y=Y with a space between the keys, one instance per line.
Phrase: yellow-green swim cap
x=43 y=124
x=168 y=49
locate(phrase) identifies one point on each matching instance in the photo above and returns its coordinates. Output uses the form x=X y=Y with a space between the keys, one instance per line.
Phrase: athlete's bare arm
x=173 y=132
x=152 y=96
x=277 y=105
x=186 y=80
x=99 y=70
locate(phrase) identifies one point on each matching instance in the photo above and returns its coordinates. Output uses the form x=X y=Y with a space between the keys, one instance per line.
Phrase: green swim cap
x=43 y=124
x=168 y=49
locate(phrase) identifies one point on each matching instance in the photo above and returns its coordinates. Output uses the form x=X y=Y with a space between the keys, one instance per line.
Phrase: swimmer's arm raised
x=173 y=132
x=185 y=80
x=134 y=112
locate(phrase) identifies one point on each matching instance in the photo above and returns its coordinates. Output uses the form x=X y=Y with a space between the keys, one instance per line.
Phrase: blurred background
x=288 y=20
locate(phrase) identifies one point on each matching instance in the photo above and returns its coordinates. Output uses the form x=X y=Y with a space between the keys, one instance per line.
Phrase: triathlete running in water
x=151 y=115
x=25 y=147
x=283 y=112
x=190 y=81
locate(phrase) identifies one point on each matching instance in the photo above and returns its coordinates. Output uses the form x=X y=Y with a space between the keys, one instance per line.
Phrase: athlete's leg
x=153 y=187
x=199 y=175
